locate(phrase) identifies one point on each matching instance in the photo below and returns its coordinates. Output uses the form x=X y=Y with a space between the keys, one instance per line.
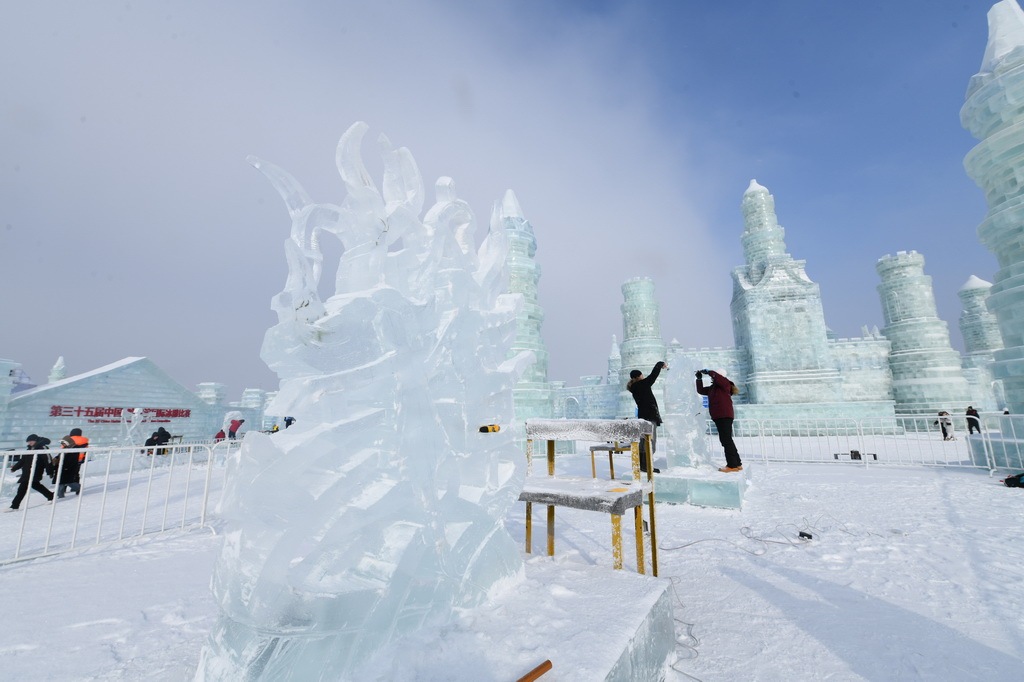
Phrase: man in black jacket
x=646 y=405
x=32 y=468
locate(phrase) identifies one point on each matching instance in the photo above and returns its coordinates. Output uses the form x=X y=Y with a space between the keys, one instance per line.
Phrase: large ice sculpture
x=992 y=114
x=380 y=510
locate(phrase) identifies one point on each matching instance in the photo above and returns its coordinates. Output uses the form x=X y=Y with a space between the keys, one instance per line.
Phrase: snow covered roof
x=975 y=282
x=78 y=377
x=1005 y=32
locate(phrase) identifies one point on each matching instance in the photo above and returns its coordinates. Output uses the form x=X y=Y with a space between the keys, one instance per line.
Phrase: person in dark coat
x=973 y=421
x=32 y=468
x=68 y=468
x=151 y=443
x=163 y=437
x=720 y=394
x=646 y=405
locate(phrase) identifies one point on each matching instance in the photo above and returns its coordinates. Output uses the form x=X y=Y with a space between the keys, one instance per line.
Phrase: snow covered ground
x=911 y=573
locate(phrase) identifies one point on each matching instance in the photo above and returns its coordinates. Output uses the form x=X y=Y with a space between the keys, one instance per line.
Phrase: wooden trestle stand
x=611 y=497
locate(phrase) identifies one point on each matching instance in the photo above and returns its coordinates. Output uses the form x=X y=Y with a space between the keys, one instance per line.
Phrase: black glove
x=705 y=371
x=698 y=373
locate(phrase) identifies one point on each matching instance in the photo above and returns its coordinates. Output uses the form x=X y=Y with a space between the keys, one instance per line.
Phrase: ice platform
x=591 y=622
x=702 y=486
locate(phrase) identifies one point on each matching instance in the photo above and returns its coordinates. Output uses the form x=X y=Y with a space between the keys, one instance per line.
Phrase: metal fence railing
x=125 y=492
x=900 y=440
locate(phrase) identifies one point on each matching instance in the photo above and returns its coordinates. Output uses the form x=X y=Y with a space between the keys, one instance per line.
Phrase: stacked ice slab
x=380 y=511
x=993 y=114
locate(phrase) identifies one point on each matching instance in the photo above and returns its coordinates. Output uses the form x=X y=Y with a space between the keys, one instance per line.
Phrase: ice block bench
x=591 y=494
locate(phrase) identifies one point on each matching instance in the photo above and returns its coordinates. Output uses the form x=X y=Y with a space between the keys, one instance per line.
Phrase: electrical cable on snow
x=691 y=645
x=747 y=532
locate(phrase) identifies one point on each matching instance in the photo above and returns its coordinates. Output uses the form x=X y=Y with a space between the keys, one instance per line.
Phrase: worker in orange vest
x=72 y=462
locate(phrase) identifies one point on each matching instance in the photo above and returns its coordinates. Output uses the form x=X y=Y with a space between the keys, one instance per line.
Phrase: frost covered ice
x=381 y=510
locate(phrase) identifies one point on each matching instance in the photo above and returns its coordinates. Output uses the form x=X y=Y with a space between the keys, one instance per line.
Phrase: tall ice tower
x=982 y=339
x=777 y=315
x=532 y=395
x=926 y=372
x=993 y=114
x=641 y=346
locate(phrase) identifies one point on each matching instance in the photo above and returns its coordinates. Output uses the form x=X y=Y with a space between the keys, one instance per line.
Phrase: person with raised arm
x=646 y=406
x=720 y=394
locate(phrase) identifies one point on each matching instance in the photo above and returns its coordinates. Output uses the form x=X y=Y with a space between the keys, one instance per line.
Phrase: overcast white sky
x=131 y=225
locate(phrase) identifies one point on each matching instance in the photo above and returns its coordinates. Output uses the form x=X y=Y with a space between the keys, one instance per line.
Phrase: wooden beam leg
x=551 y=530
x=529 y=527
x=611 y=465
x=593 y=465
x=654 y=536
x=638 y=523
x=617 y=541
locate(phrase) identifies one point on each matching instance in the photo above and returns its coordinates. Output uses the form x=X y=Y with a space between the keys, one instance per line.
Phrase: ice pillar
x=982 y=339
x=532 y=395
x=993 y=115
x=642 y=346
x=926 y=371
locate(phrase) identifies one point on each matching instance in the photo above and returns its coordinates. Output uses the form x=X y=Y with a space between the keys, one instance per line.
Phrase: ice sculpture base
x=591 y=622
x=995 y=451
x=702 y=487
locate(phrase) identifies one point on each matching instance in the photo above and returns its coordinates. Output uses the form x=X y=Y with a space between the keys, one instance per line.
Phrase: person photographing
x=640 y=387
x=720 y=394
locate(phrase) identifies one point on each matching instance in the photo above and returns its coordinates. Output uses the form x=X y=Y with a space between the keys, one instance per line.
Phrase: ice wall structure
x=993 y=114
x=381 y=509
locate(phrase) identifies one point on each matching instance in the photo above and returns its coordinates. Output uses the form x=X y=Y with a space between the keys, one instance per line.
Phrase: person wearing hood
x=32 y=468
x=720 y=394
x=67 y=468
x=973 y=420
x=163 y=437
x=640 y=387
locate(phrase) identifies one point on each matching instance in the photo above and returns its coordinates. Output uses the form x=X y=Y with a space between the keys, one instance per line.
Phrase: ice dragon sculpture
x=380 y=511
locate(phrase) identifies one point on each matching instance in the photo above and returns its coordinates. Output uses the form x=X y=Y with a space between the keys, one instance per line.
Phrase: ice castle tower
x=642 y=346
x=993 y=114
x=532 y=395
x=926 y=372
x=777 y=315
x=982 y=339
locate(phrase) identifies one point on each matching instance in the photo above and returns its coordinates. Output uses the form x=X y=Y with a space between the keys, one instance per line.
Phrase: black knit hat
x=635 y=374
x=31 y=438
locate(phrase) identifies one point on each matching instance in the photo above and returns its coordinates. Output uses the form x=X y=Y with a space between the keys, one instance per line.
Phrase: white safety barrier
x=901 y=440
x=126 y=492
